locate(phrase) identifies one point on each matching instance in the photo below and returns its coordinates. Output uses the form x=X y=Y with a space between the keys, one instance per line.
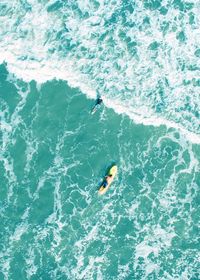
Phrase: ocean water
x=143 y=58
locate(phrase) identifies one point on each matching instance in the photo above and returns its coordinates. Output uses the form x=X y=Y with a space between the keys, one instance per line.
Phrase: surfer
x=107 y=181
x=99 y=101
x=97 y=104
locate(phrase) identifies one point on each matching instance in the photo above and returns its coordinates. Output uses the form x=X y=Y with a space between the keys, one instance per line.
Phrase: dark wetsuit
x=104 y=184
x=99 y=101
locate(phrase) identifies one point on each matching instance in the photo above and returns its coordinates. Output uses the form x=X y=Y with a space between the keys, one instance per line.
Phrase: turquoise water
x=143 y=58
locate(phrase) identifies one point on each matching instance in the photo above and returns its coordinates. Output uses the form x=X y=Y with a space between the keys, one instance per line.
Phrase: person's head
x=110 y=175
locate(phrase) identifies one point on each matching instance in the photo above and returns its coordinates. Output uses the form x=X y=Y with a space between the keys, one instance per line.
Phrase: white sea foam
x=31 y=268
x=7 y=250
x=154 y=245
x=143 y=250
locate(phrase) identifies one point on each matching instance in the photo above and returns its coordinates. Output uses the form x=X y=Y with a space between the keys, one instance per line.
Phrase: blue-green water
x=143 y=58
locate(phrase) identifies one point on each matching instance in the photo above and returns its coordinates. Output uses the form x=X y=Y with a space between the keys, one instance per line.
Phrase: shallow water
x=143 y=58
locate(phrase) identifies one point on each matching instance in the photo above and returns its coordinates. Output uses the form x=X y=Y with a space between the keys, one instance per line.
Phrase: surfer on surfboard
x=108 y=179
x=97 y=104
